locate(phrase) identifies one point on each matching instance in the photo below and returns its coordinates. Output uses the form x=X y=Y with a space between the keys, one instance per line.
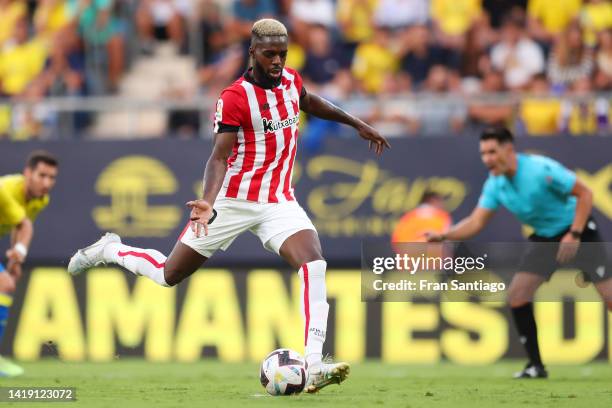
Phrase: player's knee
x=173 y=276
x=311 y=257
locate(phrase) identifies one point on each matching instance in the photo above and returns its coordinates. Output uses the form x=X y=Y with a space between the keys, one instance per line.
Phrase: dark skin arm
x=321 y=108
x=216 y=167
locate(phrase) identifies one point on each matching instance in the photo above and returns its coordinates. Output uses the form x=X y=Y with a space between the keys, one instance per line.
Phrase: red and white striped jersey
x=261 y=164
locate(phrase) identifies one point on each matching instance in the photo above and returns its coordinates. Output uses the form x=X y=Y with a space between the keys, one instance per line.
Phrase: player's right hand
x=201 y=213
x=15 y=256
x=434 y=237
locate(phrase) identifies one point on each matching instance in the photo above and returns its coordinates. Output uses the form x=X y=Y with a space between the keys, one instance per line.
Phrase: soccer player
x=543 y=194
x=22 y=198
x=247 y=187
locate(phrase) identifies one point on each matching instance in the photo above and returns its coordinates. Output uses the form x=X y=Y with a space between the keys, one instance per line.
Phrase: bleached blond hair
x=268 y=27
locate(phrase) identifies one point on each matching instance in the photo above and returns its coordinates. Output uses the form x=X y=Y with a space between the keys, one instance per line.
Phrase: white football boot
x=325 y=373
x=92 y=255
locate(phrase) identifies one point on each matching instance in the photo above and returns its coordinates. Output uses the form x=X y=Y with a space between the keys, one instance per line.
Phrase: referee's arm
x=584 y=205
x=466 y=228
x=570 y=241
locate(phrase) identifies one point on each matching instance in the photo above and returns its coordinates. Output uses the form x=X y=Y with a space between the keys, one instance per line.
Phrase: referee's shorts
x=591 y=259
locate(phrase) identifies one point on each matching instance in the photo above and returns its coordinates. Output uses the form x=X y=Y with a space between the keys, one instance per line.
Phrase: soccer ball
x=283 y=372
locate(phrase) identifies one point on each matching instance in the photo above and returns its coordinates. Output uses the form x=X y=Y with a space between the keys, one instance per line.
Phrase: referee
x=545 y=195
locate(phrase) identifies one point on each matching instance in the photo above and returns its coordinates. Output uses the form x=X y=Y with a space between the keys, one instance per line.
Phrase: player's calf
x=181 y=263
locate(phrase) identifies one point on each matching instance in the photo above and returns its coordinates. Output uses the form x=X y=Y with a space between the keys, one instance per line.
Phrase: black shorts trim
x=540 y=256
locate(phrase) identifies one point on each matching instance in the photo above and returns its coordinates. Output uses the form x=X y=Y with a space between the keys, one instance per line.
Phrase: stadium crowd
x=410 y=67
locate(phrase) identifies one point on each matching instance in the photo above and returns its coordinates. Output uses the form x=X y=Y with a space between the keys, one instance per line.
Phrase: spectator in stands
x=306 y=13
x=374 y=60
x=316 y=130
x=539 y=113
x=62 y=76
x=440 y=115
x=212 y=38
x=452 y=19
x=322 y=59
x=11 y=11
x=489 y=112
x=548 y=18
x=392 y=114
x=52 y=17
x=497 y=10
x=283 y=7
x=595 y=17
x=421 y=54
x=162 y=19
x=603 y=78
x=244 y=14
x=570 y=59
x=216 y=76
x=21 y=61
x=584 y=115
x=296 y=54
x=340 y=88
x=401 y=14
x=354 y=18
x=102 y=33
x=516 y=55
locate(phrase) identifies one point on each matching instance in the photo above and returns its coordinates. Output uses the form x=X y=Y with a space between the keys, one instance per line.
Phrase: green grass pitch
x=137 y=383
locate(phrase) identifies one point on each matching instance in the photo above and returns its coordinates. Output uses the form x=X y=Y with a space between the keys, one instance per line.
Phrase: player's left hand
x=201 y=213
x=567 y=248
x=377 y=141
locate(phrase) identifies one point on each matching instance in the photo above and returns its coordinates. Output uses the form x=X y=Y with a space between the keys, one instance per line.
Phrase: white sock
x=314 y=309
x=145 y=262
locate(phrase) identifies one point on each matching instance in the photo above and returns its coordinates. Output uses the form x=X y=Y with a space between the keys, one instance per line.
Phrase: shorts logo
x=273 y=126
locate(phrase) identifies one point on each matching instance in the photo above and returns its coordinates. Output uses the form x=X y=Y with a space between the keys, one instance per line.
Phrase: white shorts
x=273 y=223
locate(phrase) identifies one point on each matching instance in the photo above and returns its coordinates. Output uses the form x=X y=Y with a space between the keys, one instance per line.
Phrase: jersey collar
x=248 y=76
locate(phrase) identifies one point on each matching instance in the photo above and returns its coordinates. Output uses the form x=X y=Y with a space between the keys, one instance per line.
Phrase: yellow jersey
x=9 y=15
x=371 y=65
x=21 y=64
x=13 y=205
x=540 y=116
x=554 y=15
x=455 y=17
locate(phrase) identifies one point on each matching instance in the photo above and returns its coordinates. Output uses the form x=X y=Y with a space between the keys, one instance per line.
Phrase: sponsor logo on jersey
x=273 y=126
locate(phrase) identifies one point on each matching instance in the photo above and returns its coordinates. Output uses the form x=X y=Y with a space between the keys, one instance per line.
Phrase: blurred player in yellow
x=22 y=198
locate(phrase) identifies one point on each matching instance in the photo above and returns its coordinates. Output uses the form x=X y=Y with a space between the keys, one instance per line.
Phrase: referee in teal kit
x=545 y=195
